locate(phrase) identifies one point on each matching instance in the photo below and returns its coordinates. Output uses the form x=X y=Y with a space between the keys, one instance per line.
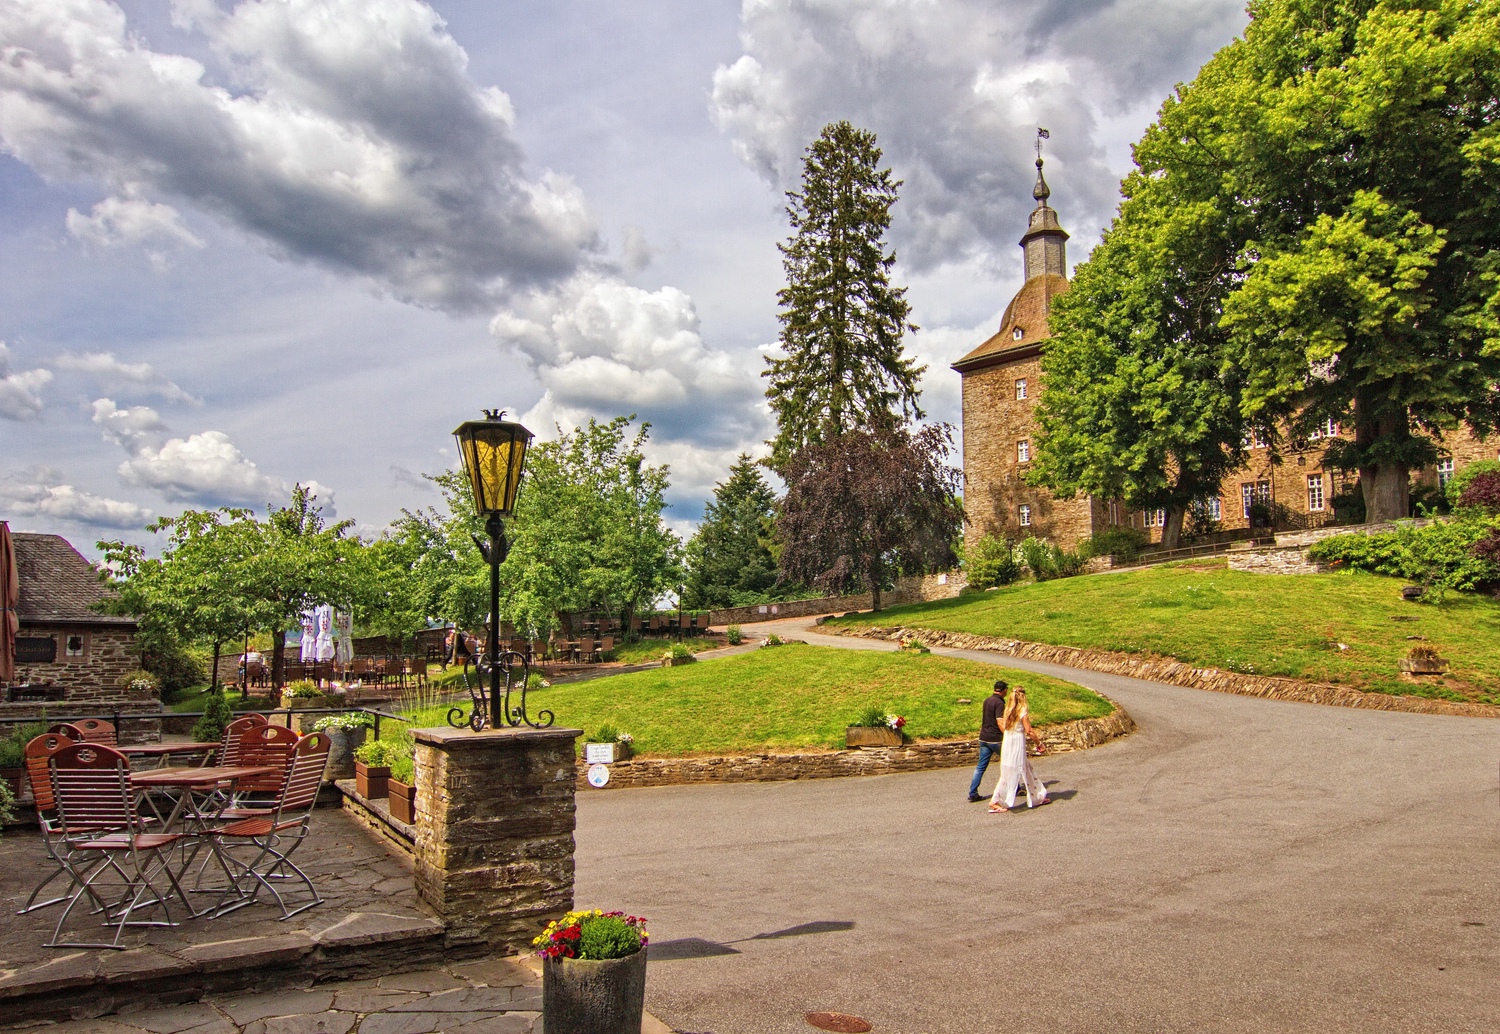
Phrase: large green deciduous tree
x=1345 y=156
x=842 y=320
x=729 y=558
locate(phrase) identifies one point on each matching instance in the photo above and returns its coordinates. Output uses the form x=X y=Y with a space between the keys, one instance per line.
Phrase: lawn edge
x=764 y=767
x=1155 y=668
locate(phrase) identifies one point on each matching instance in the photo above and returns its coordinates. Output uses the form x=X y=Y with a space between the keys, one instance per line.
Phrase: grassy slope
x=1206 y=614
x=792 y=697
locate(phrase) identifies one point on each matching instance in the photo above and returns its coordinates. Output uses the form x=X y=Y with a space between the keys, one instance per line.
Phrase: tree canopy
x=729 y=559
x=842 y=320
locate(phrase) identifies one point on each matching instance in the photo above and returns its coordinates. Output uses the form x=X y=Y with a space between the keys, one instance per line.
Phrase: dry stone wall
x=910 y=589
x=1178 y=673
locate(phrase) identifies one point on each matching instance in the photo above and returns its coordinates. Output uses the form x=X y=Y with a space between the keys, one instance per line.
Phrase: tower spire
x=1041 y=191
x=1043 y=245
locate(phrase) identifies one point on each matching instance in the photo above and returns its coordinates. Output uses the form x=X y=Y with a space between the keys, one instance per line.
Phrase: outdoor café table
x=194 y=784
x=162 y=751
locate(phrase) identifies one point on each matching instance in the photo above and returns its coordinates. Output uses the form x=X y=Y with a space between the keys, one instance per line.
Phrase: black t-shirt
x=989 y=726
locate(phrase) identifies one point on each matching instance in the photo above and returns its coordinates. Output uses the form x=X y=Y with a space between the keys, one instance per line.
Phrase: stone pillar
x=494 y=832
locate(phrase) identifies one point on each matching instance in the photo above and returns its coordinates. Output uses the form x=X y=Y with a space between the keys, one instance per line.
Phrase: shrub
x=13 y=744
x=347 y=720
x=175 y=669
x=1122 y=543
x=607 y=734
x=592 y=935
x=679 y=652
x=772 y=640
x=871 y=717
x=6 y=800
x=1444 y=555
x=1482 y=491
x=734 y=635
x=608 y=937
x=1046 y=560
x=1459 y=482
x=992 y=562
x=377 y=753
x=141 y=680
x=302 y=688
x=216 y=716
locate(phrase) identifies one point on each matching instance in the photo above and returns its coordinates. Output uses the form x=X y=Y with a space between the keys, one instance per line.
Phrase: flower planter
x=871 y=736
x=16 y=778
x=372 y=783
x=403 y=801
x=674 y=662
x=582 y=996
x=1423 y=666
x=341 y=752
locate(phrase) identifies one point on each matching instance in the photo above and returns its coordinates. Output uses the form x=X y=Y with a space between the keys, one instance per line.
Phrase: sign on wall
x=36 y=649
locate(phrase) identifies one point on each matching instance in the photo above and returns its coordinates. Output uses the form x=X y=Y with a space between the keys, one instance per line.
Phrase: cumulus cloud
x=114 y=374
x=41 y=492
x=954 y=92
x=601 y=346
x=118 y=222
x=202 y=468
x=19 y=392
x=343 y=132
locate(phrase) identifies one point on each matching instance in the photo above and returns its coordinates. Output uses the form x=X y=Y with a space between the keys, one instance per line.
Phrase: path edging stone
x=1174 y=672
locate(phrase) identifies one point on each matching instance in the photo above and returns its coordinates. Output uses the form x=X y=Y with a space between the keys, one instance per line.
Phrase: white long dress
x=1015 y=769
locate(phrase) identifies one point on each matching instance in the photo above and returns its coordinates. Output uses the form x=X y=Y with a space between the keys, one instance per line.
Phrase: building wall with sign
x=88 y=664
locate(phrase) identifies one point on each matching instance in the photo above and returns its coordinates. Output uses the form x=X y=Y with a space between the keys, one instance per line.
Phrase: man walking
x=989 y=736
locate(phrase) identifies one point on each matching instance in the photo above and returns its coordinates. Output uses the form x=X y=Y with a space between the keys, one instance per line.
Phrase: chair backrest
x=270 y=746
x=229 y=745
x=96 y=730
x=91 y=788
x=607 y=644
x=38 y=750
x=69 y=730
x=305 y=775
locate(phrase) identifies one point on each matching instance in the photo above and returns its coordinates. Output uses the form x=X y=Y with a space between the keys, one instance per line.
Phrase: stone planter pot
x=1421 y=666
x=341 y=752
x=674 y=662
x=372 y=783
x=402 y=798
x=580 y=996
x=16 y=779
x=871 y=736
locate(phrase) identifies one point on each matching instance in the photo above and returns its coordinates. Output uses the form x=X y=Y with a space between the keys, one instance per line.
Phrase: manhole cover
x=841 y=1022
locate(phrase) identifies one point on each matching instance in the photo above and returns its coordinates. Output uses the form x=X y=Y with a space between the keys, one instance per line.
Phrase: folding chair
x=38 y=750
x=229 y=745
x=67 y=729
x=95 y=730
x=268 y=745
x=286 y=824
x=95 y=802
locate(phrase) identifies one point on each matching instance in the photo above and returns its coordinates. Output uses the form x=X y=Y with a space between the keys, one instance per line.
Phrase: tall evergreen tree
x=841 y=319
x=729 y=562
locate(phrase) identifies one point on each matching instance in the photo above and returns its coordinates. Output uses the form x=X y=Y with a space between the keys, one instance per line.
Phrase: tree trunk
x=1171 y=532
x=1385 y=486
x=213 y=680
x=278 y=658
x=874 y=591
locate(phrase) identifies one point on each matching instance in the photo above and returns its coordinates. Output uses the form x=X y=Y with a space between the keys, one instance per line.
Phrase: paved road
x=1235 y=865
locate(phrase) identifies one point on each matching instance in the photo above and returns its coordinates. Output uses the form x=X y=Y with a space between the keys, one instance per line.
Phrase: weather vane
x=1041 y=134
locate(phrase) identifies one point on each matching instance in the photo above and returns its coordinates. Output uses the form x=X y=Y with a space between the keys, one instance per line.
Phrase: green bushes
x=216 y=717
x=734 y=635
x=1440 y=556
x=992 y=562
x=1122 y=543
x=1046 y=560
x=607 y=937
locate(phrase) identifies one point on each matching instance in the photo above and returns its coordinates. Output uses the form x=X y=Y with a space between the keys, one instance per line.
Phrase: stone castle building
x=1002 y=381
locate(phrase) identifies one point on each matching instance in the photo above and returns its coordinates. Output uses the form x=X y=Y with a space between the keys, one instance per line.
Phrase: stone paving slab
x=488 y=996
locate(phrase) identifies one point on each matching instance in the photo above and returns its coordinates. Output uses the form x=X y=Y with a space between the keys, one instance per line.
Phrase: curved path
x=1236 y=864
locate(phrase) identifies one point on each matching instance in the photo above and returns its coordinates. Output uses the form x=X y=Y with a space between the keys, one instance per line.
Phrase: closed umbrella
x=10 y=598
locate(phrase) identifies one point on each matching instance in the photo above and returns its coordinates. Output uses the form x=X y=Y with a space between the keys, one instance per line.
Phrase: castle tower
x=1001 y=382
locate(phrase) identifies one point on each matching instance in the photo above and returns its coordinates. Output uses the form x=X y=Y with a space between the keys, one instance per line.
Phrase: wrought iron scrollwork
x=517 y=672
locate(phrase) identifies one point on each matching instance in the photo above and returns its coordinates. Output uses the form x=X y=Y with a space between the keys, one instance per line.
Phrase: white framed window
x=1023 y=451
x=74 y=646
x=1156 y=518
x=1444 y=471
x=1315 y=493
x=1017 y=334
x=1327 y=429
x=1252 y=492
x=1214 y=507
x=1025 y=516
x=1020 y=388
x=1255 y=439
x=1114 y=511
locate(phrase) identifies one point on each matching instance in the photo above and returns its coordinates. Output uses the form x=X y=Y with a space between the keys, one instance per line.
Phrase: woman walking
x=1015 y=768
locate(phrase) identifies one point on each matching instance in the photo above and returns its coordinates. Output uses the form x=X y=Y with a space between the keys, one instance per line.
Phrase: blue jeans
x=986 y=751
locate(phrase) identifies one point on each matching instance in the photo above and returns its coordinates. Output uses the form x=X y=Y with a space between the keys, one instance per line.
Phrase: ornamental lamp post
x=494 y=454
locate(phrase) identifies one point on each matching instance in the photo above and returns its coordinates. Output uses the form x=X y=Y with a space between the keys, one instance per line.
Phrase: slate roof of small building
x=1027 y=311
x=58 y=585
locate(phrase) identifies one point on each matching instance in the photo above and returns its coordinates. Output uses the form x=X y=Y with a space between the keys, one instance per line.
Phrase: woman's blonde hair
x=1015 y=710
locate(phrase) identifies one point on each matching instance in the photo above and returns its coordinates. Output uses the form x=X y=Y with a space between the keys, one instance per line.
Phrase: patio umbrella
x=10 y=598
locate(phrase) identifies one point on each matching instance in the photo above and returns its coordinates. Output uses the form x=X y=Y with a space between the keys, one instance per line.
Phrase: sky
x=245 y=245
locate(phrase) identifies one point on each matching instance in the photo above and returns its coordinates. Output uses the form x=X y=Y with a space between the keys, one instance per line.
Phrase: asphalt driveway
x=1235 y=865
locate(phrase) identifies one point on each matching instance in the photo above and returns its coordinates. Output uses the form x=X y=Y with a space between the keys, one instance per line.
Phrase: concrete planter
x=372 y=782
x=676 y=662
x=871 y=736
x=582 y=996
x=1420 y=666
x=403 y=801
x=341 y=753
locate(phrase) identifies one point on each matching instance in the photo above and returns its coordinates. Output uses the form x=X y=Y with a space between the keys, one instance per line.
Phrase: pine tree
x=729 y=562
x=842 y=320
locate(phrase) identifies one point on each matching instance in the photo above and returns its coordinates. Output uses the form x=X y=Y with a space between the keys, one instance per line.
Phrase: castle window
x=1315 y=493
x=1327 y=429
x=75 y=646
x=1020 y=388
x=1017 y=334
x=1023 y=452
x=1025 y=516
x=1444 y=471
x=1156 y=518
x=1256 y=439
x=1212 y=507
x=1253 y=492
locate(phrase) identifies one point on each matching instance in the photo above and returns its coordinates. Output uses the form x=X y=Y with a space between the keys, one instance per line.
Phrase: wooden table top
x=199 y=777
x=156 y=750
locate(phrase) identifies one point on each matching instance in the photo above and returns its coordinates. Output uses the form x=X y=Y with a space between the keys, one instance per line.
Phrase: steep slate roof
x=58 y=585
x=1028 y=311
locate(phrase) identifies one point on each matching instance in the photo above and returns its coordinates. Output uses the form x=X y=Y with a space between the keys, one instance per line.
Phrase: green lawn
x=1208 y=615
x=793 y=697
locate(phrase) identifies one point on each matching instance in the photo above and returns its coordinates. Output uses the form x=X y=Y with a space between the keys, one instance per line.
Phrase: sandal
x=996 y=809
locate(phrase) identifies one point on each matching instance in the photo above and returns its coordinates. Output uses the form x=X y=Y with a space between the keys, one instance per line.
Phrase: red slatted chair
x=38 y=750
x=229 y=746
x=96 y=804
x=96 y=730
x=269 y=745
x=69 y=730
x=276 y=835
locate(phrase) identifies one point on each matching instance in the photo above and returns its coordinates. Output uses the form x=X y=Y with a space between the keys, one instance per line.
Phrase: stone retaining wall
x=1178 y=673
x=910 y=589
x=1275 y=560
x=828 y=764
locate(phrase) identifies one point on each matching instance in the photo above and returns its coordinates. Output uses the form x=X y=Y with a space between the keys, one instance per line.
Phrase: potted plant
x=875 y=728
x=401 y=788
x=13 y=755
x=593 y=973
x=347 y=732
x=678 y=654
x=372 y=769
